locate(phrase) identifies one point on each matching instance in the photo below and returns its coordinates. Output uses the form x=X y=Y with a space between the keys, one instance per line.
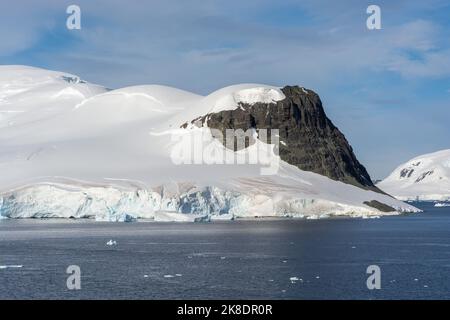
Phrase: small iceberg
x=111 y=243
x=366 y=216
x=222 y=217
x=442 y=204
x=13 y=266
x=167 y=216
x=295 y=279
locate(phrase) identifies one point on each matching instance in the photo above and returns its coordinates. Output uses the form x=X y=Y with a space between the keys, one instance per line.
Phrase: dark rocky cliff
x=311 y=141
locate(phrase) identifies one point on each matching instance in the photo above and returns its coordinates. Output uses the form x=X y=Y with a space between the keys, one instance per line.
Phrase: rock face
x=308 y=139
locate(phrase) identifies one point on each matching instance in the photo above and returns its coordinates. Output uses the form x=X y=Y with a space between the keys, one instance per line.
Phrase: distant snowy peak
x=426 y=177
x=433 y=167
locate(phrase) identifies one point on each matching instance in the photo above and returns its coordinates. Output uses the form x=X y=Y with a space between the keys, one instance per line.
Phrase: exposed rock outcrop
x=308 y=139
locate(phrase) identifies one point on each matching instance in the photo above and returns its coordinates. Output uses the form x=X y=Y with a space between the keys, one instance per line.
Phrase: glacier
x=72 y=149
x=194 y=205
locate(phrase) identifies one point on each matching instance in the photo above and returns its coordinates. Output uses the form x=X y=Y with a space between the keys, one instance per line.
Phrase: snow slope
x=28 y=94
x=115 y=155
x=426 y=177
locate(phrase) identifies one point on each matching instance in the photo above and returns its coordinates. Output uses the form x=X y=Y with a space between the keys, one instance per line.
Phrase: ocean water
x=229 y=260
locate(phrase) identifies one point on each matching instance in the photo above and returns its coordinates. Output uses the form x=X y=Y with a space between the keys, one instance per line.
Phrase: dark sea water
x=229 y=260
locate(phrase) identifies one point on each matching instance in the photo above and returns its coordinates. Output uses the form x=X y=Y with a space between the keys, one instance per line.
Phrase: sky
x=387 y=90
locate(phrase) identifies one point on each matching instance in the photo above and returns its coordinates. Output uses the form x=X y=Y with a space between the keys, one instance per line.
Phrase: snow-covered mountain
x=426 y=177
x=73 y=149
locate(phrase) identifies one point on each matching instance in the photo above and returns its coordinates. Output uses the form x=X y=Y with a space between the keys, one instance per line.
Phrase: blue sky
x=388 y=90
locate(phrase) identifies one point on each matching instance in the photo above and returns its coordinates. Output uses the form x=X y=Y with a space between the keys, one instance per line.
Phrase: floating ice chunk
x=441 y=204
x=295 y=279
x=365 y=216
x=222 y=217
x=12 y=266
x=178 y=217
x=111 y=243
